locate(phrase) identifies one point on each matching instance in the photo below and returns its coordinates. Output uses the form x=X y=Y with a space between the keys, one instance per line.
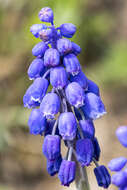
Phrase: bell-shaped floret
x=72 y=64
x=35 y=93
x=36 y=122
x=51 y=57
x=39 y=49
x=67 y=30
x=84 y=151
x=67 y=172
x=46 y=15
x=51 y=147
x=58 y=77
x=50 y=105
x=67 y=125
x=75 y=94
x=94 y=107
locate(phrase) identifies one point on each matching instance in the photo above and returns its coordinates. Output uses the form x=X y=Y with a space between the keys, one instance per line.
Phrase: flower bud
x=75 y=94
x=36 y=28
x=35 y=93
x=75 y=48
x=119 y=179
x=84 y=151
x=36 y=68
x=117 y=164
x=51 y=57
x=67 y=172
x=39 y=49
x=45 y=34
x=51 y=147
x=81 y=79
x=67 y=30
x=121 y=134
x=53 y=166
x=87 y=128
x=46 y=15
x=92 y=87
x=72 y=64
x=97 y=149
x=103 y=177
x=50 y=105
x=94 y=107
x=36 y=122
x=67 y=125
x=58 y=77
x=64 y=46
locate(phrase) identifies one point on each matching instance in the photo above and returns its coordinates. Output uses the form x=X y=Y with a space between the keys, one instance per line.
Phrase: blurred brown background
x=102 y=35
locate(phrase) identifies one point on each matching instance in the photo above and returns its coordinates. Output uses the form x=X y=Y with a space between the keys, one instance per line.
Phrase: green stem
x=81 y=180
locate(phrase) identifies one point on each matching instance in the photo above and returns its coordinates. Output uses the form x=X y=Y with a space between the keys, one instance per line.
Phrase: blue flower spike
x=64 y=103
x=117 y=165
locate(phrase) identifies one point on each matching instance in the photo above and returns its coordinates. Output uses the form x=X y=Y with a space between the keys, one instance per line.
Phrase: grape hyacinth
x=117 y=165
x=64 y=104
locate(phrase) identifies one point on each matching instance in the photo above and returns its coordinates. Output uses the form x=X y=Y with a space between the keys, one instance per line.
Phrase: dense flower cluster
x=67 y=110
x=117 y=165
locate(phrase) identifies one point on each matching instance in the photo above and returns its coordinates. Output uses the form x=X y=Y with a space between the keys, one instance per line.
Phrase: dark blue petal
x=67 y=172
x=102 y=176
x=36 y=122
x=67 y=126
x=39 y=49
x=67 y=30
x=46 y=15
x=94 y=107
x=51 y=57
x=50 y=105
x=75 y=48
x=53 y=166
x=58 y=77
x=75 y=94
x=64 y=46
x=72 y=64
x=97 y=149
x=121 y=134
x=49 y=127
x=117 y=164
x=92 y=87
x=81 y=79
x=51 y=147
x=36 y=68
x=84 y=151
x=87 y=128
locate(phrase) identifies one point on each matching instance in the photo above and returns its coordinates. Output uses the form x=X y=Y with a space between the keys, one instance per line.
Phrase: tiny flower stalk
x=66 y=111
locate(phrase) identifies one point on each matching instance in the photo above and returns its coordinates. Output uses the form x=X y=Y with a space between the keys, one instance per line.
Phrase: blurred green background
x=102 y=35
